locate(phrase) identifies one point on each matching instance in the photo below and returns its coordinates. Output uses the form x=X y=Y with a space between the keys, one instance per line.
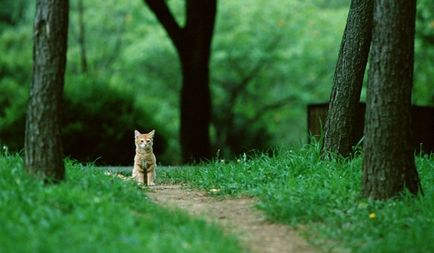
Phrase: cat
x=144 y=160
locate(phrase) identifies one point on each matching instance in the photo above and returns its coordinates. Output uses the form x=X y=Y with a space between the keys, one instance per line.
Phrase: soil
x=236 y=216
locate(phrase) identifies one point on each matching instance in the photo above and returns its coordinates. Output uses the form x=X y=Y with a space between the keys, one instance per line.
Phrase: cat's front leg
x=138 y=174
x=151 y=176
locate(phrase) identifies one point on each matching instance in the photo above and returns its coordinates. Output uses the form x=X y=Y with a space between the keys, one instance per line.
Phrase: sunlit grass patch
x=93 y=212
x=297 y=187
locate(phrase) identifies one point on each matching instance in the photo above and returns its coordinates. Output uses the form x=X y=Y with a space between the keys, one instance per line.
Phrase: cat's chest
x=145 y=160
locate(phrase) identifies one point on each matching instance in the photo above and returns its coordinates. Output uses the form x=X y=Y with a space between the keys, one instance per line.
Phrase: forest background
x=270 y=59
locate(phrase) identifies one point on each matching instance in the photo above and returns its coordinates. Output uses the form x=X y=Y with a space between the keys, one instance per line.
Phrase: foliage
x=93 y=212
x=281 y=51
x=99 y=123
x=268 y=62
x=12 y=114
x=99 y=119
x=15 y=63
x=259 y=85
x=297 y=187
x=12 y=12
x=423 y=92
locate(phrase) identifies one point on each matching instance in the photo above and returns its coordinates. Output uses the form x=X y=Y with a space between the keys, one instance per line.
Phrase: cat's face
x=144 y=141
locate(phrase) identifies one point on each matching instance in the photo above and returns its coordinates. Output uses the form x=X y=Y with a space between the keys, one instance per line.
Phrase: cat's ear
x=152 y=133
x=136 y=133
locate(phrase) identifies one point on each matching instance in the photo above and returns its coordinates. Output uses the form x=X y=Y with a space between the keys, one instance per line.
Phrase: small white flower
x=5 y=149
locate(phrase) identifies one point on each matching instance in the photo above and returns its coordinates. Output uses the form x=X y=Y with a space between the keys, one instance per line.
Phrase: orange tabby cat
x=144 y=160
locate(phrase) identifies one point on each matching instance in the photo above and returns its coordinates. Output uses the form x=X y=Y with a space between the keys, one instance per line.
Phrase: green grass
x=93 y=212
x=298 y=188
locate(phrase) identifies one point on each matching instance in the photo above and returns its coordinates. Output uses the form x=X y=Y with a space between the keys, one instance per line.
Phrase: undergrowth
x=93 y=212
x=298 y=188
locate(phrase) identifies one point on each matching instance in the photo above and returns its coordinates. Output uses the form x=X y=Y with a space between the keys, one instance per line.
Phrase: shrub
x=98 y=122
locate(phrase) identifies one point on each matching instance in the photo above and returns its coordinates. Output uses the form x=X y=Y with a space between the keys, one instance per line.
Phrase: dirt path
x=236 y=216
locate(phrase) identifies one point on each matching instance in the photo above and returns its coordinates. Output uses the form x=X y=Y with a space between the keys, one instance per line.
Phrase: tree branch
x=260 y=64
x=275 y=105
x=167 y=20
x=246 y=78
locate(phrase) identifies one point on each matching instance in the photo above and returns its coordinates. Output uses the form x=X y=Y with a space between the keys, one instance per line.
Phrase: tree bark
x=339 y=128
x=43 y=144
x=193 y=44
x=195 y=108
x=388 y=162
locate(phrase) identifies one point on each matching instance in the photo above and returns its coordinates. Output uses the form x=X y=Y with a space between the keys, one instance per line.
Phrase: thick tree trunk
x=195 y=108
x=43 y=145
x=348 y=79
x=193 y=44
x=388 y=162
x=194 y=50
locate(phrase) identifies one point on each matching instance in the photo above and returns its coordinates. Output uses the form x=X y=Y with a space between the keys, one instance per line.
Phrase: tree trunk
x=193 y=44
x=195 y=107
x=43 y=145
x=388 y=162
x=81 y=37
x=339 y=128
